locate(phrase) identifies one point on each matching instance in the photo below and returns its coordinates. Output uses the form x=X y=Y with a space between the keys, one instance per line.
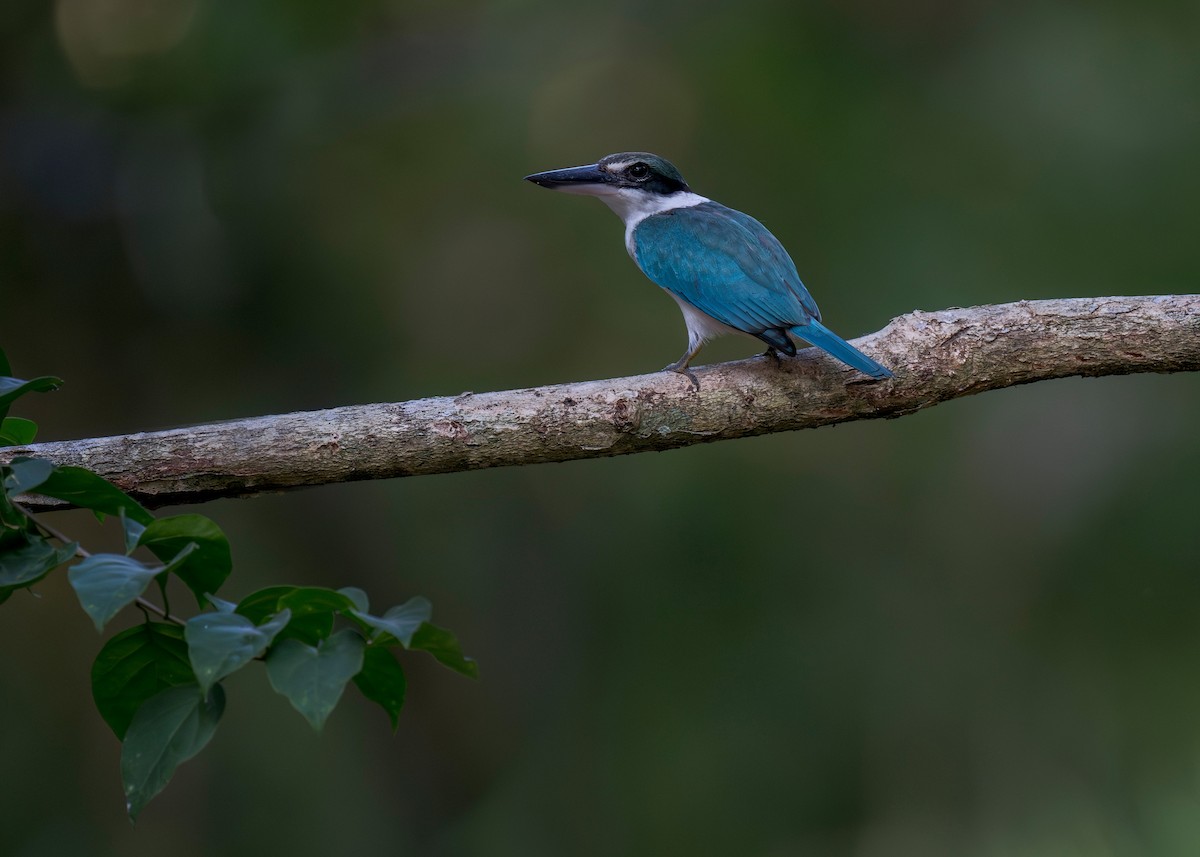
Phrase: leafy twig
x=141 y=601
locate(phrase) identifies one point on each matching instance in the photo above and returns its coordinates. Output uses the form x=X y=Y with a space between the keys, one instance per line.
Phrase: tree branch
x=937 y=356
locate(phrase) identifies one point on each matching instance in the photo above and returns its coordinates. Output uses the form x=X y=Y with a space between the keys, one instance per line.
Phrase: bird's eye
x=639 y=172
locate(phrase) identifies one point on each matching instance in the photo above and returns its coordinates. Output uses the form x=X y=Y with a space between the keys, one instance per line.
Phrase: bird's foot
x=773 y=353
x=681 y=368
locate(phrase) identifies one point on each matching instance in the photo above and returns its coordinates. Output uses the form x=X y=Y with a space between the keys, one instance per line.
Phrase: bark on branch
x=937 y=356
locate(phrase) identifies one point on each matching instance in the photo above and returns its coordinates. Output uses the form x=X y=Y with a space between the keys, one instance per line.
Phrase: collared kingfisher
x=725 y=270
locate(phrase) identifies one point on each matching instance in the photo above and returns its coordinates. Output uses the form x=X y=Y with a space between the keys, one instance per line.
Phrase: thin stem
x=146 y=604
x=51 y=531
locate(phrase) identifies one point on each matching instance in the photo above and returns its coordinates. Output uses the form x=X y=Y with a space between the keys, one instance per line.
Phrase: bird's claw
x=682 y=369
x=773 y=353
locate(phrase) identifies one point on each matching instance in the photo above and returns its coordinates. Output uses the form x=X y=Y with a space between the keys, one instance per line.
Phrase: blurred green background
x=972 y=631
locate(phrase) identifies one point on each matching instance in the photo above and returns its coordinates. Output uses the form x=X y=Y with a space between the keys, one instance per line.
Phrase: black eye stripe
x=642 y=171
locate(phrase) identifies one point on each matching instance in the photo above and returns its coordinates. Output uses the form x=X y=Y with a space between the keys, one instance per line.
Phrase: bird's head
x=625 y=174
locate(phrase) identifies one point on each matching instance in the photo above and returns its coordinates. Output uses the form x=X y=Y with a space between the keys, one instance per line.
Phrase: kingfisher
x=725 y=270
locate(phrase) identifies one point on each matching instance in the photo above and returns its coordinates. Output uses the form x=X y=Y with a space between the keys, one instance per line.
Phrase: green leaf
x=135 y=665
x=222 y=643
x=85 y=489
x=442 y=645
x=132 y=530
x=259 y=606
x=25 y=474
x=357 y=596
x=107 y=582
x=12 y=389
x=28 y=563
x=315 y=599
x=313 y=678
x=16 y=431
x=382 y=680
x=312 y=618
x=220 y=604
x=400 y=622
x=313 y=609
x=166 y=731
x=208 y=566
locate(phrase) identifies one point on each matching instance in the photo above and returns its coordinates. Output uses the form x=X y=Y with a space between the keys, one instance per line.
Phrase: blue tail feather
x=825 y=339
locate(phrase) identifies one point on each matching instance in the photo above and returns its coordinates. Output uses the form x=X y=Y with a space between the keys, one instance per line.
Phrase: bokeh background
x=972 y=631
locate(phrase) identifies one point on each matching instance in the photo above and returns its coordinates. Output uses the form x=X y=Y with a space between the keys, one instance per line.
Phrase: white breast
x=633 y=206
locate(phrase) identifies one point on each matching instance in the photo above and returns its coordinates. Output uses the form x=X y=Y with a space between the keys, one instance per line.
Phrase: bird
x=726 y=271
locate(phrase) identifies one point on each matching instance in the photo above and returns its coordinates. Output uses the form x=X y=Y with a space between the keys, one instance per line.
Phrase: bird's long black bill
x=568 y=177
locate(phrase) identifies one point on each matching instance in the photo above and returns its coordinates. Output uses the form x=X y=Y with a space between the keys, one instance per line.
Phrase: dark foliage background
x=973 y=631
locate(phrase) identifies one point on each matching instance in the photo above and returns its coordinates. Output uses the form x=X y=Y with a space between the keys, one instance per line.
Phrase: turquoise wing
x=726 y=264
